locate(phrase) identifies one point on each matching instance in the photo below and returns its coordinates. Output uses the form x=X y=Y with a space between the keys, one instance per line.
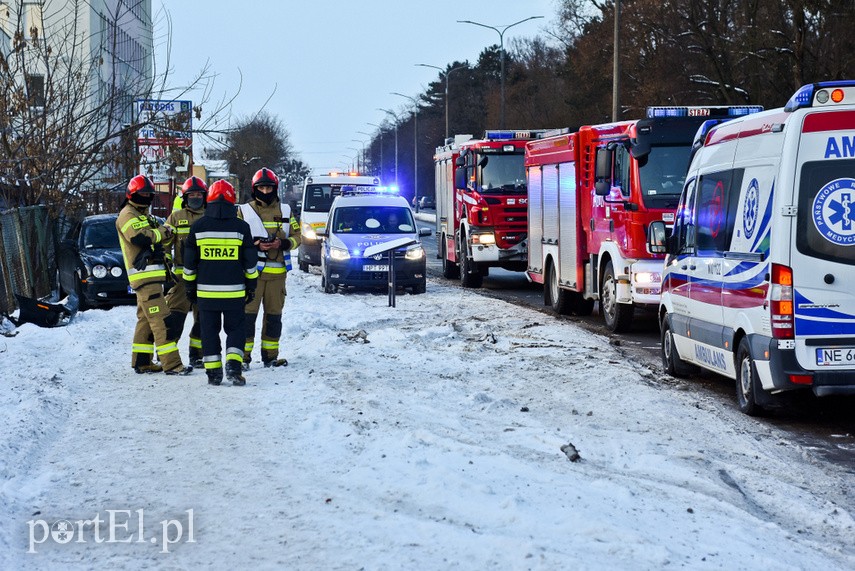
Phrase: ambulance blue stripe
x=823 y=327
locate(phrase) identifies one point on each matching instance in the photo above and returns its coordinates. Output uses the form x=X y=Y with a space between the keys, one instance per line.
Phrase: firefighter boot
x=179 y=370
x=195 y=358
x=233 y=373
x=215 y=376
x=276 y=363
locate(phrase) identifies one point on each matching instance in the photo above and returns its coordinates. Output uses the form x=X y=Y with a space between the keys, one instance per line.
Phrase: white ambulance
x=319 y=191
x=759 y=277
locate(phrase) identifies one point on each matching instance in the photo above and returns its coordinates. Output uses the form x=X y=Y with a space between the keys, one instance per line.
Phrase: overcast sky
x=331 y=63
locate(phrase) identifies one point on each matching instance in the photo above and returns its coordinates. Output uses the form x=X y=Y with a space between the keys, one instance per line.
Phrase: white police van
x=759 y=277
x=319 y=192
x=366 y=216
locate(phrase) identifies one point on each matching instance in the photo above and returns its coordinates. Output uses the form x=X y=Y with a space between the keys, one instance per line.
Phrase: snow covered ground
x=428 y=436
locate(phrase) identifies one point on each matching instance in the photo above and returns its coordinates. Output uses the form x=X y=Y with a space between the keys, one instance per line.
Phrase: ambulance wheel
x=561 y=300
x=450 y=270
x=747 y=382
x=671 y=361
x=470 y=276
x=304 y=266
x=618 y=316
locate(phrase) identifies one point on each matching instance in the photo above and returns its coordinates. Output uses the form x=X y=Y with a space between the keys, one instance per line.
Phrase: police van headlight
x=415 y=253
x=339 y=254
x=486 y=239
x=99 y=271
x=308 y=232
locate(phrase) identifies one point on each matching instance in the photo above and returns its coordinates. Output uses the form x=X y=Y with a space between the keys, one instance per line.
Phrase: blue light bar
x=653 y=112
x=355 y=190
x=499 y=135
x=804 y=96
x=744 y=110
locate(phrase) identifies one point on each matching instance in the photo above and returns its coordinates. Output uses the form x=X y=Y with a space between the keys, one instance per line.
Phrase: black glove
x=250 y=295
x=158 y=255
x=190 y=292
x=141 y=261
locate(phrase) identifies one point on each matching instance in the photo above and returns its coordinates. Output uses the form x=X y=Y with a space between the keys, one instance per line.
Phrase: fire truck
x=481 y=204
x=592 y=194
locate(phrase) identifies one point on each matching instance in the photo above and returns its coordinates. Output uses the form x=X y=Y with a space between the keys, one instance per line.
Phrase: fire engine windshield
x=503 y=173
x=663 y=175
x=319 y=197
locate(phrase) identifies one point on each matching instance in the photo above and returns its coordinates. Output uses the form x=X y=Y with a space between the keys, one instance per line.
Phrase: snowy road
x=355 y=457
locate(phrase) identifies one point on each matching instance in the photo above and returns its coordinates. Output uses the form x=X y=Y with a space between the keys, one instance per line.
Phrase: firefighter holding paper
x=276 y=232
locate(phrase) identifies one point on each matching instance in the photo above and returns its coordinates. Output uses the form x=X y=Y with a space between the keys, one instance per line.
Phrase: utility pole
x=616 y=67
x=415 y=147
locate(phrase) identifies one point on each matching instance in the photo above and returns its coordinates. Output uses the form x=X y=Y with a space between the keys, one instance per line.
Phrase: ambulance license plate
x=375 y=268
x=835 y=356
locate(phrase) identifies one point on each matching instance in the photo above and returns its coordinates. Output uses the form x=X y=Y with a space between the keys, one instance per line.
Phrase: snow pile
x=434 y=435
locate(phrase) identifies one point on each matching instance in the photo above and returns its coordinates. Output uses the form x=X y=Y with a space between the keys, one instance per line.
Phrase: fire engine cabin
x=481 y=204
x=593 y=193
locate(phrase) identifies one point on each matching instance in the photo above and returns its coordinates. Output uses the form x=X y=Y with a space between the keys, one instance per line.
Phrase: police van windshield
x=825 y=223
x=663 y=175
x=319 y=197
x=373 y=220
x=503 y=173
x=100 y=236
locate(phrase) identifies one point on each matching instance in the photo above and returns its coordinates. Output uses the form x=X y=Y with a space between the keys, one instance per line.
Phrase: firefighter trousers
x=150 y=333
x=179 y=306
x=210 y=323
x=270 y=293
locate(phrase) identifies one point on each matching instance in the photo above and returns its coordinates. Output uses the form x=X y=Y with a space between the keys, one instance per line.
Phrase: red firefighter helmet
x=265 y=177
x=139 y=183
x=221 y=190
x=194 y=183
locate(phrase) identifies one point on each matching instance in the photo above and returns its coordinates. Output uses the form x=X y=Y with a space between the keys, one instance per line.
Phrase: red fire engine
x=593 y=193
x=481 y=204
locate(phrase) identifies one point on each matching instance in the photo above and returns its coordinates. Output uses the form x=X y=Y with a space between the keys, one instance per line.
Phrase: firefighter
x=193 y=194
x=143 y=241
x=220 y=277
x=276 y=232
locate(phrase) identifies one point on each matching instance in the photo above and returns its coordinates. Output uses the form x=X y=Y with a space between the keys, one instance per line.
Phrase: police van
x=760 y=265
x=366 y=217
x=318 y=195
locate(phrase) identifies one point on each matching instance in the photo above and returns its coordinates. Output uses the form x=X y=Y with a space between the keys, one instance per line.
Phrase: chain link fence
x=27 y=254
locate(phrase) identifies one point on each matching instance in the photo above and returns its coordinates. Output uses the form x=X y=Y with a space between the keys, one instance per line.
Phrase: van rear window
x=825 y=225
x=319 y=197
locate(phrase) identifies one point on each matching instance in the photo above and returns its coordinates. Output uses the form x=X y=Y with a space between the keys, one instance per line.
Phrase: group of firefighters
x=222 y=261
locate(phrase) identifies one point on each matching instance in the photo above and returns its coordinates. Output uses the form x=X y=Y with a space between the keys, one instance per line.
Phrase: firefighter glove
x=250 y=295
x=142 y=259
x=190 y=292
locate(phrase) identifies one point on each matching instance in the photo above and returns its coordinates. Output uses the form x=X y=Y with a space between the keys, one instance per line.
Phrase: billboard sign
x=165 y=122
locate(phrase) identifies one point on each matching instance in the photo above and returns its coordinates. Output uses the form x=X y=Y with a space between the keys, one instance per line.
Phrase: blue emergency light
x=804 y=96
x=710 y=111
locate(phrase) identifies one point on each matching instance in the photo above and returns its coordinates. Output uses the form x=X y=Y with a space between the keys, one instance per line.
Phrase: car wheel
x=618 y=316
x=304 y=266
x=561 y=300
x=747 y=382
x=470 y=277
x=671 y=361
x=60 y=293
x=450 y=270
x=81 y=297
x=326 y=285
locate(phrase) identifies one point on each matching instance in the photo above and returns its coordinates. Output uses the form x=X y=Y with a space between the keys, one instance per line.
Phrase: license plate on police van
x=375 y=268
x=835 y=356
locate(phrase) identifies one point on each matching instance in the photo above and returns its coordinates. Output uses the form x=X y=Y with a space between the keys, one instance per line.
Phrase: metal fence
x=27 y=254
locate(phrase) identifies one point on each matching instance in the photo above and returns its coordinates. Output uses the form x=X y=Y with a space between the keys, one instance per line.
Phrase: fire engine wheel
x=671 y=361
x=470 y=277
x=450 y=270
x=618 y=316
x=747 y=382
x=561 y=300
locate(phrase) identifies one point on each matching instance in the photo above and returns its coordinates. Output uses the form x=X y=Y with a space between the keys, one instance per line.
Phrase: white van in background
x=759 y=277
x=318 y=195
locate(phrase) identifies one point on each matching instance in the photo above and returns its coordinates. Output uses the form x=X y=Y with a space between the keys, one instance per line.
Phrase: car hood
x=108 y=257
x=356 y=243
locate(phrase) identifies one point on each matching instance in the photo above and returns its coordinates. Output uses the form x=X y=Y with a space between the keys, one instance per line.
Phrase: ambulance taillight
x=781 y=302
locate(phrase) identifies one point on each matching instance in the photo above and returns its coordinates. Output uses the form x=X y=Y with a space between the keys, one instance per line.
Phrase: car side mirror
x=425 y=231
x=657 y=236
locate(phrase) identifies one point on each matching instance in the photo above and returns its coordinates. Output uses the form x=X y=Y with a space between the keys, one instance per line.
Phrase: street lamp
x=415 y=147
x=447 y=73
x=393 y=114
x=502 y=57
x=363 y=155
x=379 y=130
x=357 y=156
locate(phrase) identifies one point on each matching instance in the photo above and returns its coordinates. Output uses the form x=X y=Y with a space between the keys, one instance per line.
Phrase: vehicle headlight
x=648 y=278
x=99 y=271
x=339 y=254
x=308 y=232
x=415 y=253
x=115 y=271
x=487 y=239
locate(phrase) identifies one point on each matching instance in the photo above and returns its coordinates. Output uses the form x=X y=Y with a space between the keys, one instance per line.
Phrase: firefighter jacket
x=270 y=221
x=180 y=221
x=219 y=258
x=139 y=232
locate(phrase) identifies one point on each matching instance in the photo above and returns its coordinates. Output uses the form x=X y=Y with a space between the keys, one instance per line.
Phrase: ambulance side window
x=683 y=233
x=718 y=198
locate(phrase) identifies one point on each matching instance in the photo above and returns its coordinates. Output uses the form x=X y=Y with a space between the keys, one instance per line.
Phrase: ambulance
x=759 y=274
x=319 y=191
